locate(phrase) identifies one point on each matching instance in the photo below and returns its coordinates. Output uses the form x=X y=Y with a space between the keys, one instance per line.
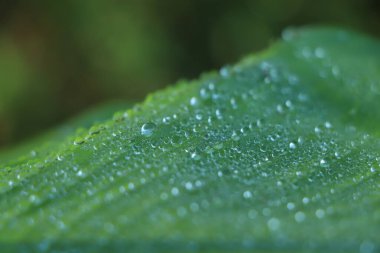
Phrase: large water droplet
x=247 y=194
x=300 y=216
x=148 y=128
x=273 y=224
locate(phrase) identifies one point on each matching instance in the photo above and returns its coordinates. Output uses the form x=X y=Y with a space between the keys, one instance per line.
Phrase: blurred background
x=58 y=58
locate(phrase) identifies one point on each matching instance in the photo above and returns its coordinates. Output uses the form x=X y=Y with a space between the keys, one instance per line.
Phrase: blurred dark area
x=58 y=58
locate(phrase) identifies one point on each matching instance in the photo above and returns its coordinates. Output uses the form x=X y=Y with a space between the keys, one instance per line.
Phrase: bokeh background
x=58 y=58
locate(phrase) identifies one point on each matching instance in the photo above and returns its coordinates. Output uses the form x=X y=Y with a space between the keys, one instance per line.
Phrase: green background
x=58 y=58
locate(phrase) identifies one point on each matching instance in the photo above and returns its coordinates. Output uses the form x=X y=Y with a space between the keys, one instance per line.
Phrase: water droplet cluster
x=257 y=148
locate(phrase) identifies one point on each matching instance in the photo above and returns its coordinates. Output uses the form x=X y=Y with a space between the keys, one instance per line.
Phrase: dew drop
x=195 y=156
x=288 y=34
x=328 y=125
x=189 y=186
x=290 y=206
x=174 y=191
x=279 y=109
x=95 y=129
x=299 y=216
x=148 y=128
x=319 y=52
x=80 y=174
x=233 y=103
x=224 y=72
x=247 y=194
x=273 y=224
x=292 y=145
x=320 y=213
x=193 y=101
x=131 y=186
x=166 y=120
x=289 y=104
x=79 y=141
x=194 y=207
x=305 y=200
x=235 y=136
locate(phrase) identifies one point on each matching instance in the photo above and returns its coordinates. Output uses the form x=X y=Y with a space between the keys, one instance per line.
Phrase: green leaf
x=278 y=152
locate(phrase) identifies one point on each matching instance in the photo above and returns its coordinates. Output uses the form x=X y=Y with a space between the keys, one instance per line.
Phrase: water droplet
x=244 y=130
x=252 y=214
x=193 y=101
x=335 y=71
x=373 y=170
x=292 y=145
x=323 y=162
x=79 y=140
x=95 y=129
x=194 y=207
x=189 y=186
x=247 y=195
x=164 y=196
x=320 y=213
x=233 y=103
x=181 y=211
x=195 y=156
x=319 y=52
x=224 y=72
x=299 y=216
x=131 y=186
x=289 y=104
x=288 y=34
x=218 y=114
x=166 y=120
x=174 y=191
x=279 y=109
x=148 y=128
x=290 y=205
x=328 y=125
x=305 y=200
x=235 y=136
x=218 y=146
x=273 y=224
x=306 y=52
x=120 y=116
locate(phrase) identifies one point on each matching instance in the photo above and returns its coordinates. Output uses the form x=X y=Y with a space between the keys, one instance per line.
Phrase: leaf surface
x=278 y=152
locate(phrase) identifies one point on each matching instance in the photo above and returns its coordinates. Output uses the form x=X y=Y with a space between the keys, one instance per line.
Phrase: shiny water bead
x=247 y=194
x=193 y=101
x=292 y=145
x=148 y=128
